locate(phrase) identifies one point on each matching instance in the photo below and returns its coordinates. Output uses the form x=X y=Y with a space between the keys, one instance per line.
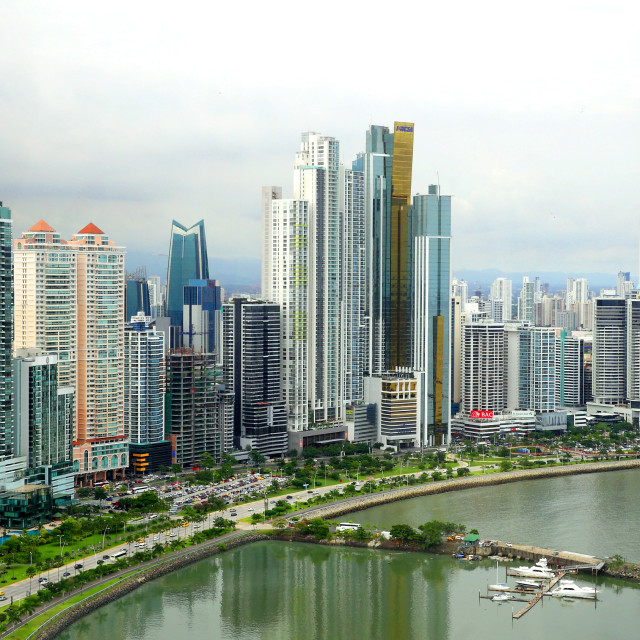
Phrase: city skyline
x=537 y=140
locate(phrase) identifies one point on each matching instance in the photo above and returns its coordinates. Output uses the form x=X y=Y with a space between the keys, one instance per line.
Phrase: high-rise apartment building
x=252 y=363
x=573 y=369
x=269 y=194
x=526 y=300
x=7 y=444
x=45 y=297
x=537 y=375
x=610 y=351
x=144 y=395
x=483 y=378
x=502 y=289
x=101 y=450
x=633 y=349
x=289 y=286
x=44 y=423
x=188 y=260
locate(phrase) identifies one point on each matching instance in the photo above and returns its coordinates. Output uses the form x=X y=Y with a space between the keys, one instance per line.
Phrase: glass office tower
x=387 y=164
x=188 y=260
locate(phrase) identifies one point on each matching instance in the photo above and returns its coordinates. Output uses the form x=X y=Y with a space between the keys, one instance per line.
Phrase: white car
x=250 y=509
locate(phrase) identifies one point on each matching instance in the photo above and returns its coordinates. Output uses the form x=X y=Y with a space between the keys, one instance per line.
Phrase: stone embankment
x=55 y=628
x=623 y=571
x=459 y=484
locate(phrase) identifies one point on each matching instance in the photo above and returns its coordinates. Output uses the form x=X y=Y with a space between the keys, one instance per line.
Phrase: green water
x=597 y=513
x=278 y=590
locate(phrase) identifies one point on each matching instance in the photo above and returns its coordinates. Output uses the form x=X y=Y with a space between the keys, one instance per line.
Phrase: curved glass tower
x=188 y=260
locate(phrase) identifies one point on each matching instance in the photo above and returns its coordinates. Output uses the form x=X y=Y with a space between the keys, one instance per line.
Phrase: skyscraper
x=101 y=450
x=431 y=307
x=45 y=303
x=252 y=361
x=7 y=444
x=290 y=289
x=269 y=194
x=387 y=166
x=610 y=351
x=144 y=394
x=202 y=317
x=188 y=260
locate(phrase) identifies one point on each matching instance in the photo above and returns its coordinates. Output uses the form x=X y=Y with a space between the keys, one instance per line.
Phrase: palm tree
x=31 y=571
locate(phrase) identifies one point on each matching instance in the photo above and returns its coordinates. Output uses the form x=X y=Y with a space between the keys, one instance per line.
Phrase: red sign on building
x=485 y=415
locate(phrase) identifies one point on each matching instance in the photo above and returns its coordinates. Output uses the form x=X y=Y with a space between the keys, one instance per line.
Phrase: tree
x=257 y=458
x=280 y=524
x=403 y=532
x=505 y=465
x=100 y=493
x=83 y=492
x=176 y=468
x=207 y=461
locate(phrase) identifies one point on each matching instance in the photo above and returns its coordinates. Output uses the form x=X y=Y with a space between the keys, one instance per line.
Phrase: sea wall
x=459 y=484
x=128 y=585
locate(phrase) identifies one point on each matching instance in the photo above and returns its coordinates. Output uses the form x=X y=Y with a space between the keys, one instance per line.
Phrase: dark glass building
x=188 y=260
x=251 y=356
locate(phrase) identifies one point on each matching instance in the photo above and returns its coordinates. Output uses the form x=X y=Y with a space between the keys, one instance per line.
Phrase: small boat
x=499 y=586
x=569 y=589
x=527 y=584
x=502 y=597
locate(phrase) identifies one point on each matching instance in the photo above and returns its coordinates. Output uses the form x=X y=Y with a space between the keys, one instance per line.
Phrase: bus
x=347 y=526
x=120 y=554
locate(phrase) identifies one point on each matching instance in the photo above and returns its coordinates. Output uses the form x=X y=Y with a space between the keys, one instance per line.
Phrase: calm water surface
x=276 y=590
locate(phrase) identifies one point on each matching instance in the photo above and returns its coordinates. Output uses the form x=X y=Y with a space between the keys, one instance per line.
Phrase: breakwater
x=459 y=484
x=127 y=585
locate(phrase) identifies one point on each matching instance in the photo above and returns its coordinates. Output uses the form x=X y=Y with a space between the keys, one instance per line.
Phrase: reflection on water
x=278 y=591
x=596 y=514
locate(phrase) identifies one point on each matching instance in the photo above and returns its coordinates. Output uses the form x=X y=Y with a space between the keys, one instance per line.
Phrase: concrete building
x=526 y=301
x=200 y=408
x=202 y=317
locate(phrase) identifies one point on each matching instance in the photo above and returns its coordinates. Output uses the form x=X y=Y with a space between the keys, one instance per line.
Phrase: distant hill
x=232 y=274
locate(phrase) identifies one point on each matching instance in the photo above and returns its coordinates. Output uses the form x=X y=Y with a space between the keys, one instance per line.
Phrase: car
x=250 y=509
x=508 y=544
x=66 y=574
x=3 y=598
x=155 y=538
x=141 y=540
x=169 y=533
x=100 y=561
x=42 y=579
x=106 y=556
x=77 y=566
x=196 y=526
x=185 y=524
x=1 y=593
x=289 y=497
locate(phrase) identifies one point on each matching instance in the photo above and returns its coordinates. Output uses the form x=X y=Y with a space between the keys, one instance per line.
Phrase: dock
x=545 y=588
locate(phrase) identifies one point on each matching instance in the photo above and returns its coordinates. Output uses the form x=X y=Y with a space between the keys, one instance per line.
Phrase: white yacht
x=569 y=589
x=539 y=570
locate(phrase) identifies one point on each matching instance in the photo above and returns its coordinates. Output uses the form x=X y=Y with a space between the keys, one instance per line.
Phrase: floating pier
x=545 y=588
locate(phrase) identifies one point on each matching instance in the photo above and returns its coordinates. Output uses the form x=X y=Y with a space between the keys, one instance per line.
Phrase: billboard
x=481 y=415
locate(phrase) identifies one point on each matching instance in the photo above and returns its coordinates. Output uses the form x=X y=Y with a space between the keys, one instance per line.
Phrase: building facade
x=252 y=365
x=144 y=395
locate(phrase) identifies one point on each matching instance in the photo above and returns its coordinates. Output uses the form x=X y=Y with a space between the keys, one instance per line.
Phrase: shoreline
x=65 y=618
x=460 y=484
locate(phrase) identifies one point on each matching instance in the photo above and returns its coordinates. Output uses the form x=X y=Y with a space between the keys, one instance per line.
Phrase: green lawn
x=23 y=632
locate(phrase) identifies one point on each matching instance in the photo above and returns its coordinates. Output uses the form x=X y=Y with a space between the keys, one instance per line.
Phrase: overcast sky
x=129 y=114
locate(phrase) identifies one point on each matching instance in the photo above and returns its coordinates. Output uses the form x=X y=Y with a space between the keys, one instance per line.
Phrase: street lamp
x=103 y=535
